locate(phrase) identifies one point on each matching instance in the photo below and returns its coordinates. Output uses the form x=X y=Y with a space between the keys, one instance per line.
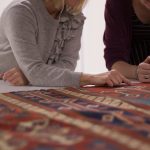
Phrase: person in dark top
x=127 y=38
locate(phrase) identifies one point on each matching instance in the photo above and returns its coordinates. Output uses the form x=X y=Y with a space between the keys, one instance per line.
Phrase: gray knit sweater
x=45 y=49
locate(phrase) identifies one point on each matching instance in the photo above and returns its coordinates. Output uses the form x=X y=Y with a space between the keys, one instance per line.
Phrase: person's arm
x=111 y=78
x=129 y=71
x=20 y=29
x=117 y=37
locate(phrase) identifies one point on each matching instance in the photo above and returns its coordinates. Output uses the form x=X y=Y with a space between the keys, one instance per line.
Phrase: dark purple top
x=118 y=32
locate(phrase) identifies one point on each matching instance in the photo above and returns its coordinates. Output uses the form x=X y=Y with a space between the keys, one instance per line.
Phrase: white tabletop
x=6 y=87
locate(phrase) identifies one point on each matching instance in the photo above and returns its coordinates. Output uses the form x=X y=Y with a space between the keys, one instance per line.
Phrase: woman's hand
x=15 y=77
x=111 y=78
x=143 y=70
x=1 y=76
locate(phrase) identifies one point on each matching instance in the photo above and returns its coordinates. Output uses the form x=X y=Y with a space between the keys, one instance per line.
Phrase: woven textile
x=76 y=119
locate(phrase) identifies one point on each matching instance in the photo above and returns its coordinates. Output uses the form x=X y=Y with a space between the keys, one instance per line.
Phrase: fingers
x=115 y=78
x=1 y=75
x=144 y=78
x=144 y=66
x=125 y=80
x=9 y=73
x=15 y=77
x=10 y=77
x=16 y=82
x=110 y=83
x=147 y=60
x=144 y=72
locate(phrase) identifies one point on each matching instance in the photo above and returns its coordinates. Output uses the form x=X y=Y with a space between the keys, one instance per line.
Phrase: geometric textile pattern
x=92 y=118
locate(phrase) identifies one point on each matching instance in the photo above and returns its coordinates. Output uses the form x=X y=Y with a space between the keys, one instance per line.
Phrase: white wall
x=91 y=54
x=3 y=4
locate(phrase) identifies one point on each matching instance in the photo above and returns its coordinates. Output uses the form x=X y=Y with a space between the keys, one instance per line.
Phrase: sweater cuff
x=74 y=79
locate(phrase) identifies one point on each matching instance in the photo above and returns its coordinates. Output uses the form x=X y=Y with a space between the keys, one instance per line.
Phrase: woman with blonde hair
x=40 y=42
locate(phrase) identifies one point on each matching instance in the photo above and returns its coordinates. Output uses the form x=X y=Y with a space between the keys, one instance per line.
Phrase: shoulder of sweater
x=19 y=7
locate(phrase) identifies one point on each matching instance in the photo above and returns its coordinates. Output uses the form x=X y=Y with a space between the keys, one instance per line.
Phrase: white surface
x=5 y=87
x=92 y=50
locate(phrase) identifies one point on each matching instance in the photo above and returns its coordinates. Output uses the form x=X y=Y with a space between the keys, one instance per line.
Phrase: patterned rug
x=76 y=119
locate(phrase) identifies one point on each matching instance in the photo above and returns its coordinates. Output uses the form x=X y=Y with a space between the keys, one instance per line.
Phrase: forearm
x=66 y=64
x=85 y=79
x=129 y=71
x=111 y=78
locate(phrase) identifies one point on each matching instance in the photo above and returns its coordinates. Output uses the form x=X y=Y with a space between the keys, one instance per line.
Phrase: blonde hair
x=76 y=9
